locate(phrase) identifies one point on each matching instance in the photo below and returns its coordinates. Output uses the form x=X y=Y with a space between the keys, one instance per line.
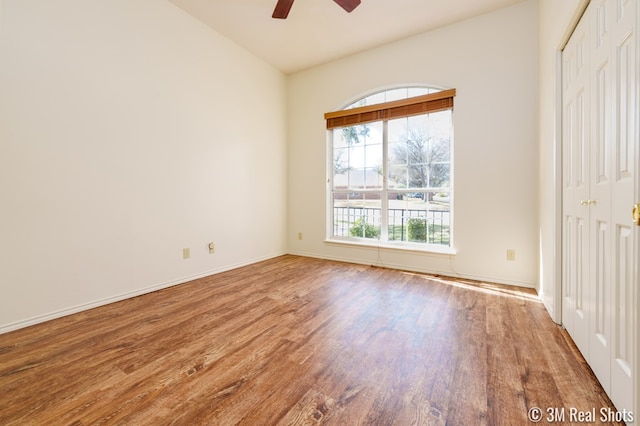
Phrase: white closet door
x=601 y=154
x=624 y=177
x=575 y=291
x=600 y=178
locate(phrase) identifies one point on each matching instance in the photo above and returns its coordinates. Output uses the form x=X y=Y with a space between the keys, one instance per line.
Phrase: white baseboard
x=446 y=273
x=119 y=297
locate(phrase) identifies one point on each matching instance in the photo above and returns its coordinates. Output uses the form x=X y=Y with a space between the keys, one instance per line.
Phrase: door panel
x=600 y=156
x=624 y=53
x=576 y=172
x=601 y=325
x=623 y=356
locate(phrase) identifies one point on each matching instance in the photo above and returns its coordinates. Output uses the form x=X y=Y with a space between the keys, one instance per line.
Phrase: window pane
x=357 y=215
x=352 y=135
x=340 y=168
x=419 y=91
x=440 y=125
x=398 y=170
x=398 y=177
x=356 y=179
x=373 y=156
x=419 y=176
x=356 y=156
x=398 y=154
x=376 y=98
x=396 y=94
x=397 y=130
x=373 y=178
x=371 y=133
x=414 y=218
x=440 y=176
x=419 y=122
x=339 y=139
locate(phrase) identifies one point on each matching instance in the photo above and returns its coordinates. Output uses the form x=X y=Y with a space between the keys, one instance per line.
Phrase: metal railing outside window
x=420 y=226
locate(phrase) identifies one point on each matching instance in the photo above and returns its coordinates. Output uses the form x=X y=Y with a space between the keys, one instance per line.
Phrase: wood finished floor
x=296 y=340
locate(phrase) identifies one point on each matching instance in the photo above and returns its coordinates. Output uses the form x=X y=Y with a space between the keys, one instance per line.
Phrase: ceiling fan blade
x=282 y=9
x=348 y=5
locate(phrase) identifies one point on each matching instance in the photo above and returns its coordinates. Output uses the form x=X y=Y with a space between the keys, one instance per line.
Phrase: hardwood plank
x=311 y=409
x=296 y=340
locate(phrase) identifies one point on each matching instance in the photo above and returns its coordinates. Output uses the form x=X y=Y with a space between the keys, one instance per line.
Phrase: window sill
x=431 y=249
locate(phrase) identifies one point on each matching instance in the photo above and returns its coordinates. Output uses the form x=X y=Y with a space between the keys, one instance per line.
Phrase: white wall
x=556 y=20
x=492 y=62
x=122 y=140
x=129 y=130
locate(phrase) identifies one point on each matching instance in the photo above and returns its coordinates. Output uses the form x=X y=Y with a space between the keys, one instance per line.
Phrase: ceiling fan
x=284 y=6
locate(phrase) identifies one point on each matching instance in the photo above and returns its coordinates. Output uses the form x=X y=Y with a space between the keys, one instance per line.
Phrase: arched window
x=391 y=169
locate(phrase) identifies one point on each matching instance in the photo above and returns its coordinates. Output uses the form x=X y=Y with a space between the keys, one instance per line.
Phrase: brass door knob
x=636 y=214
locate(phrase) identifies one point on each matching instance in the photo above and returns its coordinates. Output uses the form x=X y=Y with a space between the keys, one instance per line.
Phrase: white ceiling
x=318 y=31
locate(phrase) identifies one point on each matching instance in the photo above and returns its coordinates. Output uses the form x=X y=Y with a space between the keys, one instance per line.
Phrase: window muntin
x=391 y=179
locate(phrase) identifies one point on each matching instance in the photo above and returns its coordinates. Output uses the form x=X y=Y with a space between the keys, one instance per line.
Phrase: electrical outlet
x=511 y=254
x=186 y=253
x=212 y=248
x=299 y=235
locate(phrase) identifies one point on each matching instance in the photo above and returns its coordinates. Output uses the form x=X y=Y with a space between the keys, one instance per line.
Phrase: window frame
x=384 y=117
